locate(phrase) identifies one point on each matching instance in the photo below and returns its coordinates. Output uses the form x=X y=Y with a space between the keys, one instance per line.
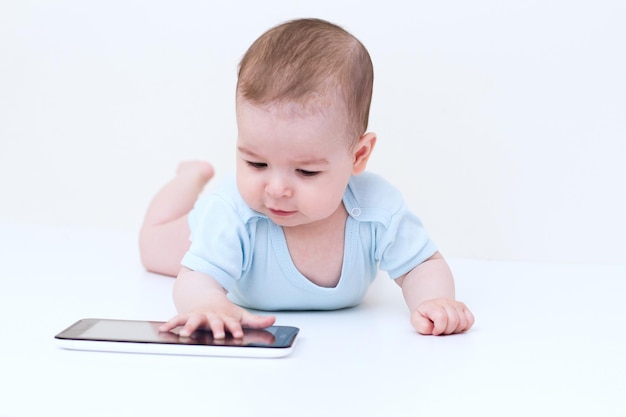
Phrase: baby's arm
x=429 y=293
x=202 y=304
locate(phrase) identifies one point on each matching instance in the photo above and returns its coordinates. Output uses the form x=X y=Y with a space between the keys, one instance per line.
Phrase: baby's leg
x=164 y=236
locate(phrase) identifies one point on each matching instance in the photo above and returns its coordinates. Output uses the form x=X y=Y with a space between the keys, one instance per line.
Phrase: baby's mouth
x=281 y=213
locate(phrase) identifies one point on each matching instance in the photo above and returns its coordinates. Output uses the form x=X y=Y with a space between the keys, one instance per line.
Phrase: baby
x=301 y=226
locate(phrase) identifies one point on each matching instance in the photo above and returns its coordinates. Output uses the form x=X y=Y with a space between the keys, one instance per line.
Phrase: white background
x=503 y=122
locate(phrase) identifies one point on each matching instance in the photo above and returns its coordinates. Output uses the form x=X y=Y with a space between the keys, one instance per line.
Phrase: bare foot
x=200 y=170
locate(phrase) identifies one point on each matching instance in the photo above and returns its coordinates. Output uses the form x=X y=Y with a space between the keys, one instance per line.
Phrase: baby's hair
x=309 y=59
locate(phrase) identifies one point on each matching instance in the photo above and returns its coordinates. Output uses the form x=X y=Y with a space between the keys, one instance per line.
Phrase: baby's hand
x=441 y=316
x=232 y=319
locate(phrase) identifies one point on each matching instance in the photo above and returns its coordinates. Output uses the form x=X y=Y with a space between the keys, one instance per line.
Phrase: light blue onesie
x=247 y=253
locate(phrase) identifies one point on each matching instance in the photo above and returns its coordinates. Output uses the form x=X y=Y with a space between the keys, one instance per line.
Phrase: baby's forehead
x=319 y=113
x=312 y=105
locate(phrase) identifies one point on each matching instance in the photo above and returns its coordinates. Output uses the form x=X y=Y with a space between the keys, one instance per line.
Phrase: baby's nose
x=277 y=187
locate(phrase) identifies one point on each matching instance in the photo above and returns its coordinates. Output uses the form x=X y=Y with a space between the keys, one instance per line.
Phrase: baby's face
x=292 y=166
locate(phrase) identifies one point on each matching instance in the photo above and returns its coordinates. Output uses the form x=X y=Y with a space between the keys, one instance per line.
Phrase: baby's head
x=303 y=100
x=310 y=66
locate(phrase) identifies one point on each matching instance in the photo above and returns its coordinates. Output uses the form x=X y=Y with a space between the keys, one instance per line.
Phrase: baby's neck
x=316 y=249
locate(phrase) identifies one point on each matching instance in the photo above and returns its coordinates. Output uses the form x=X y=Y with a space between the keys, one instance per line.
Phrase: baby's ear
x=362 y=152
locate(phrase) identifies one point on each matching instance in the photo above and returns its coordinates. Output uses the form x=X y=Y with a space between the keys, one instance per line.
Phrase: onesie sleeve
x=403 y=244
x=218 y=241
x=400 y=242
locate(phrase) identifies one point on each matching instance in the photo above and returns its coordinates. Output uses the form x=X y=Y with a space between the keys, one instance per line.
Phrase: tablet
x=136 y=336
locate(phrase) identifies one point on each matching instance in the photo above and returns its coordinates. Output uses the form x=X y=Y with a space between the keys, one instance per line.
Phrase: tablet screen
x=148 y=332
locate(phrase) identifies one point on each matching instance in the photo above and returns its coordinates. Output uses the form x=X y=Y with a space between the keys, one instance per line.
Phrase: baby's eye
x=306 y=173
x=257 y=165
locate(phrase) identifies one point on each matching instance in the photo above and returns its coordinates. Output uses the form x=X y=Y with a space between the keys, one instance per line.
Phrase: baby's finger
x=193 y=323
x=463 y=319
x=216 y=324
x=453 y=320
x=440 y=319
x=234 y=327
x=462 y=322
x=253 y=321
x=469 y=318
x=437 y=314
x=421 y=323
x=172 y=323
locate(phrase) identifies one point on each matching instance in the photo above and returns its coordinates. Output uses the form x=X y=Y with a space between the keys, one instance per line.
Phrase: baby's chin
x=293 y=219
x=286 y=221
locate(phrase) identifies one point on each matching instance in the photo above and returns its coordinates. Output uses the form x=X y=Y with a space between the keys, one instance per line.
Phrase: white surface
x=171 y=349
x=549 y=340
x=503 y=122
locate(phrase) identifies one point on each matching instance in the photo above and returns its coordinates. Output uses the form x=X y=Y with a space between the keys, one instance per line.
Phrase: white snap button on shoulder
x=355 y=212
